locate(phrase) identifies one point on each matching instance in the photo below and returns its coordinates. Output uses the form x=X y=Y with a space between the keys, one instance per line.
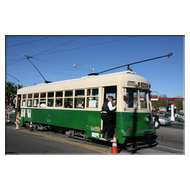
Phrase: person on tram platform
x=107 y=110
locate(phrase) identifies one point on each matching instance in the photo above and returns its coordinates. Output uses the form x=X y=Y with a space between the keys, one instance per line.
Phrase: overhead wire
x=64 y=65
x=33 y=70
x=30 y=41
x=90 y=45
x=22 y=59
x=57 y=46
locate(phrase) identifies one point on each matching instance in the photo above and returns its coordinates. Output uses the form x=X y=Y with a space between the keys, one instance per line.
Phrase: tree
x=10 y=91
x=179 y=104
x=160 y=103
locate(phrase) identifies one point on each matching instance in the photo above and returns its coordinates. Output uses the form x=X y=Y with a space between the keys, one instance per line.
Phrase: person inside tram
x=107 y=110
x=42 y=104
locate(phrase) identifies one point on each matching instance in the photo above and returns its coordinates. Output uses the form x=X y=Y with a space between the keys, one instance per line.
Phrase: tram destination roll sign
x=144 y=85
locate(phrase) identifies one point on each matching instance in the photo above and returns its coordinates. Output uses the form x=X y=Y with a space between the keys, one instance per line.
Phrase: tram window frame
x=138 y=102
x=93 y=97
x=68 y=100
x=24 y=100
x=129 y=98
x=29 y=102
x=36 y=100
x=59 y=96
x=50 y=99
x=111 y=91
x=79 y=99
x=30 y=96
x=43 y=99
x=143 y=104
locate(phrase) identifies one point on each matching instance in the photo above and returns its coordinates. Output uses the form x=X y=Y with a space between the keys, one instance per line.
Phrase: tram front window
x=131 y=98
x=135 y=96
x=143 y=100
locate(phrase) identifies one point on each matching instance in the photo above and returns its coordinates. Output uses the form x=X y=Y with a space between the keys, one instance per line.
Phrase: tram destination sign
x=144 y=85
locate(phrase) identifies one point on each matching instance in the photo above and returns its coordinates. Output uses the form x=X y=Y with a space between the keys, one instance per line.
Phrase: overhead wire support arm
x=28 y=57
x=168 y=55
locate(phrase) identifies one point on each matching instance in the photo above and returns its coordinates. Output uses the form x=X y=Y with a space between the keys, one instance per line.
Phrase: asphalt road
x=170 y=140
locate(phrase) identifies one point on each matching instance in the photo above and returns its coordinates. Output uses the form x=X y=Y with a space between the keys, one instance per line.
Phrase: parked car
x=180 y=117
x=162 y=120
x=163 y=114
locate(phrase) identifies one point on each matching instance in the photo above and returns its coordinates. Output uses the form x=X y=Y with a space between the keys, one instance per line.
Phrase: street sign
x=9 y=108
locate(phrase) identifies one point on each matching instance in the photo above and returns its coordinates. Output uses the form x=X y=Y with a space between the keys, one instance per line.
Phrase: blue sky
x=55 y=56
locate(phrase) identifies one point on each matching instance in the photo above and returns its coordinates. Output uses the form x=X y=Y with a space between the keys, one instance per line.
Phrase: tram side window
x=59 y=99
x=42 y=99
x=92 y=98
x=68 y=103
x=24 y=100
x=68 y=100
x=29 y=104
x=36 y=100
x=50 y=101
x=131 y=98
x=79 y=99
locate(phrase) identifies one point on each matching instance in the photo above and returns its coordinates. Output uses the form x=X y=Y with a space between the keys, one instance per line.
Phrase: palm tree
x=9 y=91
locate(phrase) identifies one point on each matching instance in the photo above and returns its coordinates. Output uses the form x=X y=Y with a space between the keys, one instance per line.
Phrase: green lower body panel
x=132 y=124
x=128 y=124
x=88 y=121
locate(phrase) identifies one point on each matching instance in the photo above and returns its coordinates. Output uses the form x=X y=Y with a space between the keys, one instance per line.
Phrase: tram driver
x=107 y=110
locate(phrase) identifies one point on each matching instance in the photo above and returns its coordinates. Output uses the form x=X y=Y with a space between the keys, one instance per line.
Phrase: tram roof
x=86 y=82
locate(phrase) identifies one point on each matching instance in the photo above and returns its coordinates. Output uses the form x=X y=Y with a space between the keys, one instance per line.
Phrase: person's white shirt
x=111 y=108
x=43 y=105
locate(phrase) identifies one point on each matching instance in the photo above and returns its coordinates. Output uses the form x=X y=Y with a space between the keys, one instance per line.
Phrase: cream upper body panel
x=122 y=79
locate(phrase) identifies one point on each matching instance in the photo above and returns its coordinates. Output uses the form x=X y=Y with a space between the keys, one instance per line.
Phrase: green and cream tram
x=74 y=105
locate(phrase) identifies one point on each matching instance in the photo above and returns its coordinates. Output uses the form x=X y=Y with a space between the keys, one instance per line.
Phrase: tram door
x=111 y=91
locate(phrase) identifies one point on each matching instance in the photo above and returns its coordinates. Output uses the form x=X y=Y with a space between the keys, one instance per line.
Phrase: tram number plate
x=96 y=135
